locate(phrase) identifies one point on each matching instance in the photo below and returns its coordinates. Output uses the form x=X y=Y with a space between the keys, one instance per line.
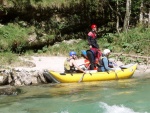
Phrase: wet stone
x=9 y=90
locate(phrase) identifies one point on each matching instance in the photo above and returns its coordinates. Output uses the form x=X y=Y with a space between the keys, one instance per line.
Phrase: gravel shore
x=56 y=63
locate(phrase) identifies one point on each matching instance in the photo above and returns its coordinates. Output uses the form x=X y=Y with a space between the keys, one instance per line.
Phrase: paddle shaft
x=82 y=77
x=84 y=74
x=116 y=75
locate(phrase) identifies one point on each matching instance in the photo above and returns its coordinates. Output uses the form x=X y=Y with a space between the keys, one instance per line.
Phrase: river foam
x=116 y=108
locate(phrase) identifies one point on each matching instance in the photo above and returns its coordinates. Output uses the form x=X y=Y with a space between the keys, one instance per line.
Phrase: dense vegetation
x=28 y=26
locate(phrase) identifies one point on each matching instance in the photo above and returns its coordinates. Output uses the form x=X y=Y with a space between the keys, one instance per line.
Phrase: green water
x=118 y=96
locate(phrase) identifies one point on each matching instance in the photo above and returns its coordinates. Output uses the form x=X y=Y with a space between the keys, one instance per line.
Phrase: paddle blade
x=81 y=78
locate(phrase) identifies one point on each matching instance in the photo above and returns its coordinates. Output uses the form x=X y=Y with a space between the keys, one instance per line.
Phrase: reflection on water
x=118 y=96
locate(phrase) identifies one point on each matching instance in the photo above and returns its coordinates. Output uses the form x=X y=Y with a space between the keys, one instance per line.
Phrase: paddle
x=81 y=77
x=84 y=74
x=116 y=75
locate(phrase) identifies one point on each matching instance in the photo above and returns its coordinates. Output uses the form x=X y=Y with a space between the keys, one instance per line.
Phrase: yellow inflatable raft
x=124 y=72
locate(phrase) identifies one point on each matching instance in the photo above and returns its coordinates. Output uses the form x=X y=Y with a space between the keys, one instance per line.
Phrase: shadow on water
x=56 y=90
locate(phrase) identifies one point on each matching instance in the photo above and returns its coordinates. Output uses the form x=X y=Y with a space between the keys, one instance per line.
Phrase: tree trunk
x=149 y=18
x=3 y=2
x=127 y=15
x=141 y=13
x=117 y=16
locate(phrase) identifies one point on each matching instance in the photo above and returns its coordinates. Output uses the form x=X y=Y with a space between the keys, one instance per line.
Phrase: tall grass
x=8 y=59
x=63 y=48
x=12 y=34
x=37 y=3
x=135 y=41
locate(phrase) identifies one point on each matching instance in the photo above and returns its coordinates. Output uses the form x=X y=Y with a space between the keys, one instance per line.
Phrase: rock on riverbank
x=19 y=76
x=9 y=90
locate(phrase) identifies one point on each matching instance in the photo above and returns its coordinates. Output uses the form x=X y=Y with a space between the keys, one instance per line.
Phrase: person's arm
x=105 y=61
x=89 y=41
x=75 y=65
x=92 y=42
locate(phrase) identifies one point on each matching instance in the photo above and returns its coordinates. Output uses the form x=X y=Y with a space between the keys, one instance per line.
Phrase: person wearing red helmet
x=92 y=37
x=93 y=54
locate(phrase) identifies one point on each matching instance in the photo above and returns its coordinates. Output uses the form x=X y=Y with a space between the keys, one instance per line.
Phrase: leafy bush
x=7 y=58
x=11 y=35
x=135 y=41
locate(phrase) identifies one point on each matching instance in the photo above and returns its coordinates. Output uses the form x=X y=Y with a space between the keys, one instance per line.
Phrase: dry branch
x=128 y=55
x=135 y=56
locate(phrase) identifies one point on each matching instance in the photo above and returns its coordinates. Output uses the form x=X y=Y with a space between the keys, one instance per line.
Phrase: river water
x=118 y=96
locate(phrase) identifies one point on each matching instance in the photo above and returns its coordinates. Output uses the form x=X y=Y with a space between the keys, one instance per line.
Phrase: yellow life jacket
x=67 y=64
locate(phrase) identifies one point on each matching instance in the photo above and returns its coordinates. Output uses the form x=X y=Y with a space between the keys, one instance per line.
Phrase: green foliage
x=44 y=49
x=12 y=34
x=135 y=41
x=65 y=47
x=7 y=58
x=109 y=37
x=57 y=20
x=36 y=3
x=40 y=51
x=138 y=40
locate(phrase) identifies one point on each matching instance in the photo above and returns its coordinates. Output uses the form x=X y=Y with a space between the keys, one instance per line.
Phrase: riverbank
x=34 y=73
x=56 y=63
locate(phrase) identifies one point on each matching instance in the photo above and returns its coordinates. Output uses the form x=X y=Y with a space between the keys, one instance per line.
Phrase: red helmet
x=93 y=26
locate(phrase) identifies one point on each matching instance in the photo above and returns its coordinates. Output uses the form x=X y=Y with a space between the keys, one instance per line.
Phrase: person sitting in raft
x=70 y=64
x=86 y=64
x=93 y=55
x=84 y=55
x=105 y=65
